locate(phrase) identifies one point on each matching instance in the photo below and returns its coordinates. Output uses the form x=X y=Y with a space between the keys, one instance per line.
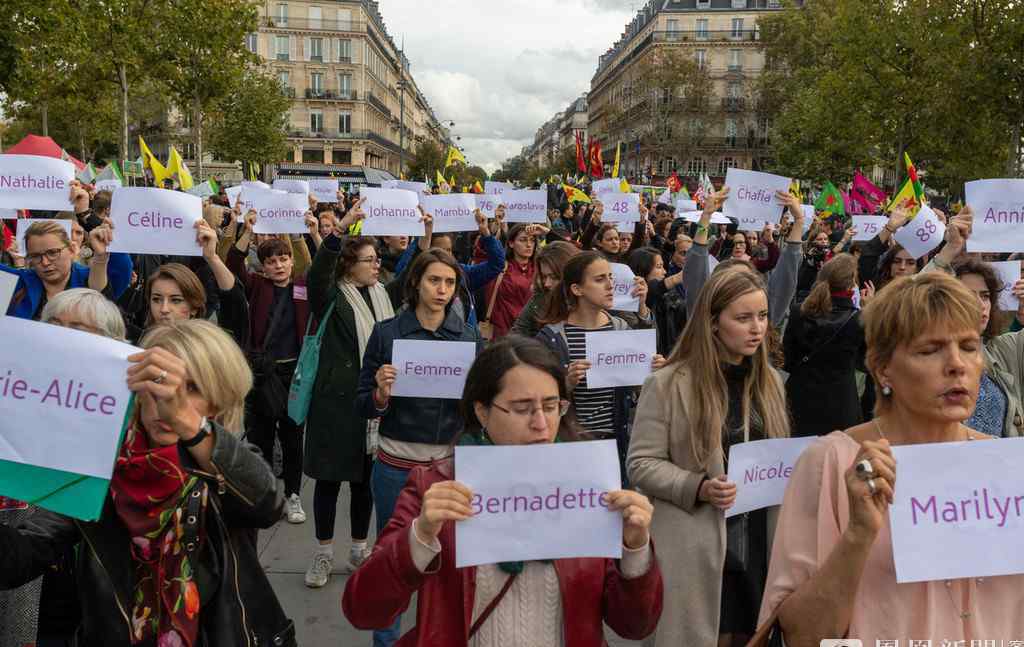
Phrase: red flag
x=581 y=163
x=867 y=194
x=674 y=183
x=8 y=238
x=596 y=160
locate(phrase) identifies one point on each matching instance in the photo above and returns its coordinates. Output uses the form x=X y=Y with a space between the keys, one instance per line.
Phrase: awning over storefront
x=352 y=175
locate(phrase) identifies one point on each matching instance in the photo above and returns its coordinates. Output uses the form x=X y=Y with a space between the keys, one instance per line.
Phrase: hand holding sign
x=442 y=502
x=922 y=234
x=755 y=200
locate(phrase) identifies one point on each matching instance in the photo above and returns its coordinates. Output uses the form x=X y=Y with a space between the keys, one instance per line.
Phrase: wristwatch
x=205 y=429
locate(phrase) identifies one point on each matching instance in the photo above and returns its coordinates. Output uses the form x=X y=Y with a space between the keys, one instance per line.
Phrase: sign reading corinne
x=155 y=221
x=544 y=501
x=35 y=182
x=391 y=212
x=998 y=207
x=431 y=369
x=277 y=211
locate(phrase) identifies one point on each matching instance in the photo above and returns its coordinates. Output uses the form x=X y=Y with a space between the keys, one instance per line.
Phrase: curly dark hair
x=993 y=284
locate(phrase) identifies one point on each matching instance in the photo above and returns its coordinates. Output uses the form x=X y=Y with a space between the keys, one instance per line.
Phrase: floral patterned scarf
x=150 y=489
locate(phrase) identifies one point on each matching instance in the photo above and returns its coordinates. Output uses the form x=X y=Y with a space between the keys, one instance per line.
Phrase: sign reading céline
x=155 y=221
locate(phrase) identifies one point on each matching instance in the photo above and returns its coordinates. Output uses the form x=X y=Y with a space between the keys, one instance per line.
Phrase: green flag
x=830 y=200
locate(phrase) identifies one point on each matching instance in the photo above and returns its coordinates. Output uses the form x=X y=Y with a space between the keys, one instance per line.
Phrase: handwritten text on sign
x=621 y=207
x=941 y=517
x=620 y=357
x=488 y=204
x=1009 y=274
x=868 y=226
x=391 y=212
x=324 y=189
x=752 y=199
x=289 y=185
x=623 y=286
x=922 y=234
x=80 y=404
x=528 y=498
x=35 y=182
x=526 y=206
x=451 y=212
x=155 y=221
x=761 y=469
x=998 y=207
x=431 y=369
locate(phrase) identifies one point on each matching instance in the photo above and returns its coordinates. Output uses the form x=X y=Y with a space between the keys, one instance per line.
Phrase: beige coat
x=690 y=537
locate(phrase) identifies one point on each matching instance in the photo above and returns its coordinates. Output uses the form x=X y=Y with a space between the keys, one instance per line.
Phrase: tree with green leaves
x=426 y=160
x=249 y=122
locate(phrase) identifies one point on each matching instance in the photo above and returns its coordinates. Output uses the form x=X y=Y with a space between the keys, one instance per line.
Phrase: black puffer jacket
x=238 y=605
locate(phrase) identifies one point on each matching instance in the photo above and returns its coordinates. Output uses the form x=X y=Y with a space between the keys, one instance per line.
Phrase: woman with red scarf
x=172 y=561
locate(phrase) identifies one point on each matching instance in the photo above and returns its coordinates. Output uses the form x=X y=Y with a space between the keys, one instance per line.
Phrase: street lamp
x=401 y=126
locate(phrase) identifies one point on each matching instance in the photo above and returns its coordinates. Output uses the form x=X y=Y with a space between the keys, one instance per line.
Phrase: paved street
x=284 y=553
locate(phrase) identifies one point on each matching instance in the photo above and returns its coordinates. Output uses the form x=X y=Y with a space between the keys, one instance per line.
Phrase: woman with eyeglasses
x=346 y=295
x=50 y=254
x=516 y=394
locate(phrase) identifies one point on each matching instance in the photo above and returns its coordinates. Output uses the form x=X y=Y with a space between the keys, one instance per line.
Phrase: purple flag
x=868 y=194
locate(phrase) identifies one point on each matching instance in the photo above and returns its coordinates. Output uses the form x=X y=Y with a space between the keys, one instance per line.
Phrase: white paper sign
x=451 y=212
x=8 y=282
x=621 y=207
x=391 y=212
x=109 y=185
x=35 y=182
x=155 y=221
x=717 y=218
x=602 y=187
x=431 y=369
x=81 y=404
x=529 y=206
x=528 y=498
x=254 y=184
x=761 y=469
x=203 y=190
x=998 y=207
x=623 y=287
x=488 y=203
x=922 y=234
x=1009 y=273
x=324 y=189
x=620 y=357
x=277 y=212
x=233 y=193
x=419 y=188
x=810 y=213
x=868 y=227
x=752 y=198
x=497 y=188
x=684 y=205
x=941 y=515
x=25 y=223
x=291 y=186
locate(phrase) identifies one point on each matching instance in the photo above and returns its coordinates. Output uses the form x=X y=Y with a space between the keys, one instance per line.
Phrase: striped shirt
x=595 y=408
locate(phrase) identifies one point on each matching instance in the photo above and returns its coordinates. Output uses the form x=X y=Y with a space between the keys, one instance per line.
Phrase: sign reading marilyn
x=998 y=207
x=526 y=206
x=431 y=369
x=155 y=221
x=761 y=469
x=391 y=212
x=528 y=498
x=35 y=182
x=752 y=199
x=620 y=357
x=962 y=522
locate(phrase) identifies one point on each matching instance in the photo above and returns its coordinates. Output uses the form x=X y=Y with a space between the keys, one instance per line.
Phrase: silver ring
x=872 y=487
x=159 y=379
x=865 y=469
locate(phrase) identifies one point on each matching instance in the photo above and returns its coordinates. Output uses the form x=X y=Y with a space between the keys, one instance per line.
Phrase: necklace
x=964 y=613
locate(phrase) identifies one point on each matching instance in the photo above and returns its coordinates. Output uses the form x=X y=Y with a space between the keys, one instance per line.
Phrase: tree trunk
x=44 y=117
x=1016 y=150
x=122 y=77
x=197 y=125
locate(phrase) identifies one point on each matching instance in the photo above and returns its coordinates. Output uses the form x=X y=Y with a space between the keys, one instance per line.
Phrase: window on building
x=730 y=131
x=739 y=4
x=725 y=164
x=345 y=85
x=282 y=14
x=696 y=166
x=701 y=57
x=344 y=50
x=285 y=80
x=673 y=29
x=316 y=82
x=316 y=122
x=735 y=90
x=250 y=42
x=703 y=4
x=735 y=60
x=702 y=28
x=737 y=28
x=345 y=122
x=313 y=155
x=316 y=16
x=316 y=49
x=281 y=47
x=345 y=19
x=341 y=156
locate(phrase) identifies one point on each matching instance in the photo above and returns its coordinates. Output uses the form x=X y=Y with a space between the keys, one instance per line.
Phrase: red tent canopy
x=36 y=145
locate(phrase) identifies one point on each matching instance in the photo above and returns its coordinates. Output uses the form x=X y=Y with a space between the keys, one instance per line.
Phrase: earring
x=886 y=390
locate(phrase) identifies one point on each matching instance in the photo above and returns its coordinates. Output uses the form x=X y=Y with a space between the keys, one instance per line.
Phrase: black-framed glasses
x=372 y=260
x=50 y=255
x=526 y=410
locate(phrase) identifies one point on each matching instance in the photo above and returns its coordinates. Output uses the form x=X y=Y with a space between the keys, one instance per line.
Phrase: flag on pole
x=866 y=193
x=150 y=161
x=615 y=167
x=573 y=194
x=87 y=174
x=110 y=172
x=596 y=159
x=673 y=182
x=830 y=200
x=477 y=188
x=454 y=155
x=905 y=198
x=624 y=186
x=442 y=184
x=205 y=189
x=580 y=162
x=176 y=166
x=914 y=181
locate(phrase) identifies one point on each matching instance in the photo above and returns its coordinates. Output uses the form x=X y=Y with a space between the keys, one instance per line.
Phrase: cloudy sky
x=500 y=68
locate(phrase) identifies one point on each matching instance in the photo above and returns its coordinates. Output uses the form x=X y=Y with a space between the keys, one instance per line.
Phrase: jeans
x=386 y=482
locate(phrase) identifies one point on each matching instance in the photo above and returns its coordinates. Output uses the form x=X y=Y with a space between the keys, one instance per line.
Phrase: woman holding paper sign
x=172 y=559
x=832 y=571
x=717 y=389
x=516 y=394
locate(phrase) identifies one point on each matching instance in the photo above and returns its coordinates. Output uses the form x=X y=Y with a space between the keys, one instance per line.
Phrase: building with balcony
x=723 y=39
x=559 y=133
x=356 y=110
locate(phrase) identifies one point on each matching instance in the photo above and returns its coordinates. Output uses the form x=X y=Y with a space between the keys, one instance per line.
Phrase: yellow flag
x=906 y=198
x=149 y=160
x=624 y=186
x=454 y=155
x=176 y=166
x=615 y=168
x=442 y=184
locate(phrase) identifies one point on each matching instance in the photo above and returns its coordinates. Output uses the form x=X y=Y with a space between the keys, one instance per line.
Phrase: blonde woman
x=717 y=389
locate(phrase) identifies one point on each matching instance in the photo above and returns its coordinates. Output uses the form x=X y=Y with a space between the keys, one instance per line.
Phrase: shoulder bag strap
x=323 y=323
x=494 y=295
x=807 y=358
x=486 y=613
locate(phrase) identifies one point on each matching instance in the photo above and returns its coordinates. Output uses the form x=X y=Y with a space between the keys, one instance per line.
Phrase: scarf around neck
x=365 y=319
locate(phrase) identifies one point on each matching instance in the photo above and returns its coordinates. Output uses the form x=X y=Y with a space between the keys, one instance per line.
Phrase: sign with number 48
x=621 y=207
x=922 y=234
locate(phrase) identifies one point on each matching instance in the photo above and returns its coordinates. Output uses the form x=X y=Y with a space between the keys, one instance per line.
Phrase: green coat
x=335 y=444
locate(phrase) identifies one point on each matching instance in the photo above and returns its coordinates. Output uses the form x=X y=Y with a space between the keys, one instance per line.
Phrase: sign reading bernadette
x=35 y=182
x=751 y=198
x=761 y=469
x=431 y=369
x=958 y=510
x=545 y=501
x=155 y=221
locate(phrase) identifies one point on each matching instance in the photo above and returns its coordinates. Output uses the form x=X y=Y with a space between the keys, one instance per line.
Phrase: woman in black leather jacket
x=172 y=561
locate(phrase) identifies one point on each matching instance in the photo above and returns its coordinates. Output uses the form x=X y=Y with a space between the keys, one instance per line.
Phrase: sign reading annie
x=155 y=221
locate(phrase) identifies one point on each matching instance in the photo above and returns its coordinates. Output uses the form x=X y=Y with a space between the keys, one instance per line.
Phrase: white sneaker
x=319 y=570
x=293 y=509
x=356 y=556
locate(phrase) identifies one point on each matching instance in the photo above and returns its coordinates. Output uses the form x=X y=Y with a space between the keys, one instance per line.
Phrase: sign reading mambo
x=998 y=207
x=35 y=182
x=277 y=212
x=1009 y=274
x=623 y=286
x=761 y=469
x=620 y=357
x=155 y=221
x=922 y=234
x=80 y=404
x=867 y=227
x=940 y=517
x=752 y=199
x=528 y=498
x=528 y=206
x=451 y=212
x=289 y=185
x=621 y=207
x=324 y=189
x=391 y=212
x=431 y=369
x=25 y=223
